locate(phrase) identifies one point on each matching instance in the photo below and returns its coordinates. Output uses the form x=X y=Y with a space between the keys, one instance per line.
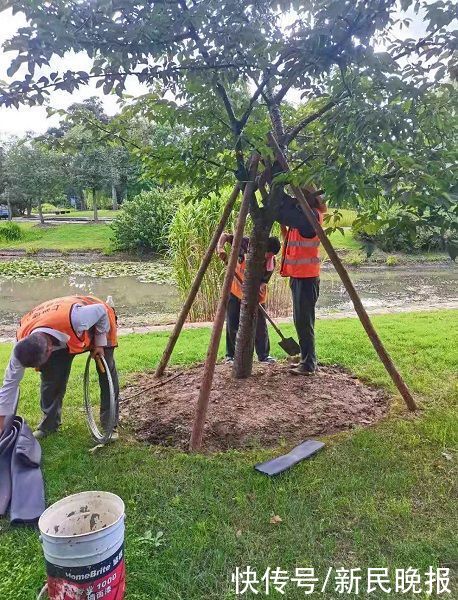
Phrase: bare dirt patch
x=263 y=410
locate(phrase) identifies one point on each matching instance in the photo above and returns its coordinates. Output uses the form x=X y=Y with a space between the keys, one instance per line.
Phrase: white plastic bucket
x=83 y=544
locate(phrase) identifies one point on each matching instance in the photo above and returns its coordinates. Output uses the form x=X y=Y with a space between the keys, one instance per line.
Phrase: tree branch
x=294 y=131
x=143 y=76
x=418 y=45
x=258 y=92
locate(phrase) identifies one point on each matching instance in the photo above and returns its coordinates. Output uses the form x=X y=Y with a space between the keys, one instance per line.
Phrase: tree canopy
x=221 y=74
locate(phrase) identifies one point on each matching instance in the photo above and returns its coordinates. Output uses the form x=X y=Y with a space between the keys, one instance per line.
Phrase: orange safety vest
x=301 y=256
x=56 y=314
x=236 y=287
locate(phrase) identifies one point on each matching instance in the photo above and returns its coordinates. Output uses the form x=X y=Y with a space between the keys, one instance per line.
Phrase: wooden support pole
x=196 y=284
x=212 y=353
x=359 y=308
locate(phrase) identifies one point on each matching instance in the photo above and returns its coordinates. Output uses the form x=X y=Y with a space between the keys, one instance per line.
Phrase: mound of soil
x=265 y=409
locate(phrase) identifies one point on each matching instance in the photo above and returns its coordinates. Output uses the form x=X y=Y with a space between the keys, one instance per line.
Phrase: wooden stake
x=359 y=308
x=212 y=353
x=196 y=284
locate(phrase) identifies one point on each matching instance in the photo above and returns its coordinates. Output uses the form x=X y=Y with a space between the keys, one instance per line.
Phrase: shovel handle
x=271 y=321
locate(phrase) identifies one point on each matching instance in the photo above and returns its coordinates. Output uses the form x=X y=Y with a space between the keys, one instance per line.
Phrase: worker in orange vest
x=262 y=343
x=48 y=338
x=301 y=263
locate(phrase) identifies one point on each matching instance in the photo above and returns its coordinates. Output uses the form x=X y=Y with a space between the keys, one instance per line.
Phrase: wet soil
x=270 y=407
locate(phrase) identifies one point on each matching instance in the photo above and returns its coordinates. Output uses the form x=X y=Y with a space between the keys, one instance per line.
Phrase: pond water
x=137 y=303
x=393 y=288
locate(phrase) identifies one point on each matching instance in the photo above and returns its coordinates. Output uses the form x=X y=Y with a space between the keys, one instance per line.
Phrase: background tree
x=91 y=170
x=34 y=175
x=229 y=65
x=4 y=180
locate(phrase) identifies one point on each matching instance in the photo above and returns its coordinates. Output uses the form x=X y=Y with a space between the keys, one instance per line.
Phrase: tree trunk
x=94 y=205
x=114 y=196
x=263 y=219
x=10 y=208
x=40 y=213
x=83 y=201
x=243 y=361
x=29 y=208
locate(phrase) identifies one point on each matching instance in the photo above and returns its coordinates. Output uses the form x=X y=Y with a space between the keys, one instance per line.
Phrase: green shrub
x=143 y=223
x=47 y=207
x=10 y=232
x=191 y=230
x=355 y=259
x=391 y=261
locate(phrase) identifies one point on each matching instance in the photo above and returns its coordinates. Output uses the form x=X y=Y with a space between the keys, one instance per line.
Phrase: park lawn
x=344 y=241
x=67 y=237
x=377 y=497
x=89 y=214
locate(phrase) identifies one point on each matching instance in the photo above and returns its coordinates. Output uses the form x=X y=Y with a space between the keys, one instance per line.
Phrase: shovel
x=289 y=345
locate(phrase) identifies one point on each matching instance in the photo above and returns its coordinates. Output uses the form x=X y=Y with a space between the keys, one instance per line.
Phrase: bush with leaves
x=143 y=223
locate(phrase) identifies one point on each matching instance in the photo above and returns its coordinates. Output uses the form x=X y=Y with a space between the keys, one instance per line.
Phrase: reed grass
x=190 y=233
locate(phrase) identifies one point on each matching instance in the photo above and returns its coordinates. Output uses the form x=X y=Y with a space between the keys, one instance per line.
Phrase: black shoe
x=39 y=434
x=302 y=370
x=268 y=359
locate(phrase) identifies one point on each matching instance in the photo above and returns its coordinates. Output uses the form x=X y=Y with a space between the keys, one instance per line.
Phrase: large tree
x=229 y=65
x=34 y=174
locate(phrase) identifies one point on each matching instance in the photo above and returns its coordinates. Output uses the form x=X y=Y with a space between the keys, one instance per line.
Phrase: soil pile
x=263 y=410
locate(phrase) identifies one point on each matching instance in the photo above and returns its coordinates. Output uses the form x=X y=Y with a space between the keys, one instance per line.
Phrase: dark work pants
x=54 y=378
x=261 y=343
x=305 y=293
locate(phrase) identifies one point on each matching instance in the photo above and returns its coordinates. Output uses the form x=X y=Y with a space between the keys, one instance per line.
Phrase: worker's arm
x=85 y=317
x=9 y=391
x=224 y=239
x=291 y=215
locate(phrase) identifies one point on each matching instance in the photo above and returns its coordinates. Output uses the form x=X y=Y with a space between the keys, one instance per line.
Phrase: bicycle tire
x=100 y=437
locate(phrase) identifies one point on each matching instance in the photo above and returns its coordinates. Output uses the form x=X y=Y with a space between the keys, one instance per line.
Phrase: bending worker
x=48 y=338
x=301 y=263
x=262 y=343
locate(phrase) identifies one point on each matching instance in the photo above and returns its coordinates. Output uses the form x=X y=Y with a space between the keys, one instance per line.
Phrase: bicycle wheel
x=100 y=434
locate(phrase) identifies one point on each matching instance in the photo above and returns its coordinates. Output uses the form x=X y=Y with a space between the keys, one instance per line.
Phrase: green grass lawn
x=377 y=497
x=102 y=213
x=74 y=236
x=344 y=241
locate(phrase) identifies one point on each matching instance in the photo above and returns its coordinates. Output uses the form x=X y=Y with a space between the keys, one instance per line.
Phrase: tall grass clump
x=190 y=233
x=189 y=236
x=10 y=232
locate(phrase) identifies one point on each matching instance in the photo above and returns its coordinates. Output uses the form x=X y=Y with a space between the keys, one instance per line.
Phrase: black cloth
x=305 y=292
x=21 y=480
x=262 y=344
x=54 y=378
x=291 y=215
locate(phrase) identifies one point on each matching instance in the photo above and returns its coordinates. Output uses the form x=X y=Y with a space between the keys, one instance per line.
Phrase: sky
x=34 y=118
x=19 y=121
